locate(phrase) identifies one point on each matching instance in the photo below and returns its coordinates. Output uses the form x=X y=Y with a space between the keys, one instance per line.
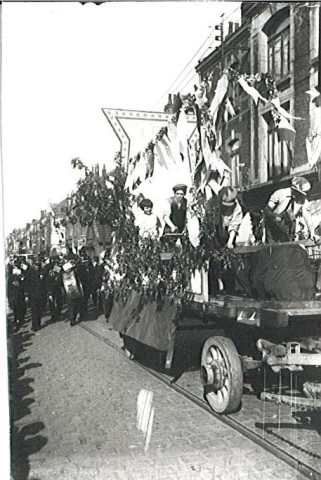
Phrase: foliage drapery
x=152 y=266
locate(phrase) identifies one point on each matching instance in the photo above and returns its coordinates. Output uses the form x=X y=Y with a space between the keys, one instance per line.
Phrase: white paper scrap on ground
x=145 y=415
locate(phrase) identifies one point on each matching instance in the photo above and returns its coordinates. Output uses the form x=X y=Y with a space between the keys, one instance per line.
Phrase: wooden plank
x=244 y=249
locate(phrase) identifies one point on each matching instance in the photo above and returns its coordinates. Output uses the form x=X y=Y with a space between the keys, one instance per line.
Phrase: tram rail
x=296 y=463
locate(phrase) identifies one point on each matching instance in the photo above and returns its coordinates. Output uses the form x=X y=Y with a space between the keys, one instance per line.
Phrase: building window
x=279 y=154
x=277 y=30
x=279 y=55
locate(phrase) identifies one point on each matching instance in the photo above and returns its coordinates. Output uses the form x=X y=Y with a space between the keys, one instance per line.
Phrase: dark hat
x=300 y=185
x=180 y=186
x=146 y=203
x=227 y=196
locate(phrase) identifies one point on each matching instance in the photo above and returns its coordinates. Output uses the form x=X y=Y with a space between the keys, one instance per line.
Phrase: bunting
x=220 y=93
x=276 y=103
x=251 y=91
x=182 y=134
x=229 y=110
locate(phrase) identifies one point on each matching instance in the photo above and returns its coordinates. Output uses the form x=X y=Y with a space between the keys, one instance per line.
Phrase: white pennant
x=251 y=91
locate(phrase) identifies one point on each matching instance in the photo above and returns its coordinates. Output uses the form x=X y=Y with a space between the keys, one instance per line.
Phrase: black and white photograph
x=161 y=240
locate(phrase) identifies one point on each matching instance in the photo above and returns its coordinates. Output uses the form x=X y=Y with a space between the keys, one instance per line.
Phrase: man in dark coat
x=86 y=273
x=35 y=288
x=16 y=277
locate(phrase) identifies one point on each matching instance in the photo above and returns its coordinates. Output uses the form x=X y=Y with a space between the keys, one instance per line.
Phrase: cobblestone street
x=74 y=415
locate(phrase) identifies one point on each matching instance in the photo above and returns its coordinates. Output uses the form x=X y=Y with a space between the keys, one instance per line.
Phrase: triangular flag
x=182 y=134
x=207 y=154
x=220 y=92
x=161 y=155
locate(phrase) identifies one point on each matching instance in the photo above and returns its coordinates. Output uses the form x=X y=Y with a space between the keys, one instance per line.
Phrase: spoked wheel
x=221 y=374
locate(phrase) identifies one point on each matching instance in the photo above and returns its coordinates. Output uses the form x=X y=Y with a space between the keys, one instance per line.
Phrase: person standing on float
x=284 y=208
x=175 y=210
x=226 y=217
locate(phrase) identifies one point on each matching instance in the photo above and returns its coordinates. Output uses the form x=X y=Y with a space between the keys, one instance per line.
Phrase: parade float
x=161 y=287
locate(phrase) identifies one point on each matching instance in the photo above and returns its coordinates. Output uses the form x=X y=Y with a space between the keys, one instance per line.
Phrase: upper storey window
x=277 y=30
x=279 y=55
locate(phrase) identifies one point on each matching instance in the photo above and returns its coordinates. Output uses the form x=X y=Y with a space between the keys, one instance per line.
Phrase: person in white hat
x=285 y=207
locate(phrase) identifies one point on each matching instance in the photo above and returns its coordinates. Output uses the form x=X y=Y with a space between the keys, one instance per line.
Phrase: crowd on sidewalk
x=70 y=279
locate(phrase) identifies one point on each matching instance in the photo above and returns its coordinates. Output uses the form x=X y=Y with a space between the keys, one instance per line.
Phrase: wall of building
x=253 y=123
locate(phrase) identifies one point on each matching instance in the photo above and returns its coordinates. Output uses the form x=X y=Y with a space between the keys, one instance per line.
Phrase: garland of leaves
x=154 y=267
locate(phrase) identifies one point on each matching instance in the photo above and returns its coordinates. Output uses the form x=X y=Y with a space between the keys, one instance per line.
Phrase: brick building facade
x=280 y=39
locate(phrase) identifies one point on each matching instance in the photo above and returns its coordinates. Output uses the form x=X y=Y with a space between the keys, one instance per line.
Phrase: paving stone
x=84 y=398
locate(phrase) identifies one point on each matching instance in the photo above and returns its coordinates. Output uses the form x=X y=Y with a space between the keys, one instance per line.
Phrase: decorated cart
x=243 y=334
x=158 y=291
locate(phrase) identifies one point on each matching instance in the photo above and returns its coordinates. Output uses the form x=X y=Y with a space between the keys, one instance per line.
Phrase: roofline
x=231 y=40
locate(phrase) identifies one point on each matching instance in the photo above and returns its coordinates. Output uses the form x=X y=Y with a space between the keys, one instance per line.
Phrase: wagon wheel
x=221 y=374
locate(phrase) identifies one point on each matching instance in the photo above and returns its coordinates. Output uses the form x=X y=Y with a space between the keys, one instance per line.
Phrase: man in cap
x=285 y=207
x=175 y=210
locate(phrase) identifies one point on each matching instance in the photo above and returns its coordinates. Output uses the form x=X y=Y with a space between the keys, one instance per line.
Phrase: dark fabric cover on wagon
x=282 y=272
x=148 y=323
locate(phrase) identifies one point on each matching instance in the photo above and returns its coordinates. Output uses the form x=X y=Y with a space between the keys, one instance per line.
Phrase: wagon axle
x=213 y=375
x=287 y=356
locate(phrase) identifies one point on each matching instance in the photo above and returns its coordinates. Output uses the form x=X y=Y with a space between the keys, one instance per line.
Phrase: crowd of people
x=70 y=279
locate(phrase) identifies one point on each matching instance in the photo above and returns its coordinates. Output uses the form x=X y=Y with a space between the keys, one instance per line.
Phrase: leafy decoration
x=147 y=265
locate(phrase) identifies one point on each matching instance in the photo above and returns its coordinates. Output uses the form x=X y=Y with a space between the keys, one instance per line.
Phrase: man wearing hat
x=285 y=207
x=175 y=210
x=228 y=216
x=231 y=214
x=225 y=215
x=147 y=222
